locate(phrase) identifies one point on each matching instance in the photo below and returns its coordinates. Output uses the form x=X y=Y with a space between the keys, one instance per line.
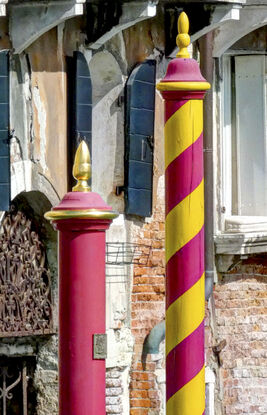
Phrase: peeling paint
x=60 y=45
x=41 y=115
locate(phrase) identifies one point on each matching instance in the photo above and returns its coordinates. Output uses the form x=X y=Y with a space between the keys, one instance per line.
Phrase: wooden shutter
x=79 y=104
x=4 y=132
x=140 y=103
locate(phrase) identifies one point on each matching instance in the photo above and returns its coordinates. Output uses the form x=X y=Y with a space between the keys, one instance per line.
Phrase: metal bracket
x=100 y=346
x=119 y=190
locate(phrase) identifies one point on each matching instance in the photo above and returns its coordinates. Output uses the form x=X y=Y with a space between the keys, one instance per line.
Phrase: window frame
x=234 y=233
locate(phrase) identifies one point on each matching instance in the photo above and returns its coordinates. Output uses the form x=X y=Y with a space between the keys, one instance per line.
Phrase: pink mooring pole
x=81 y=219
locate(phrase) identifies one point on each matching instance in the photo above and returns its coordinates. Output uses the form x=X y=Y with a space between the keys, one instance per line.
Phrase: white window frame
x=234 y=234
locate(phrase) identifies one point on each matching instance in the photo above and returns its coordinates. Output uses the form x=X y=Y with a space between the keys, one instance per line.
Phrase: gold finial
x=183 y=38
x=82 y=168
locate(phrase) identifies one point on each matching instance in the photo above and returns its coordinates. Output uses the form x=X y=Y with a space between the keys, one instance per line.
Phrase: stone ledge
x=246 y=224
x=241 y=243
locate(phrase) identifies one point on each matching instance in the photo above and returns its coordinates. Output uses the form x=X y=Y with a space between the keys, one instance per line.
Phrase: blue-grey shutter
x=140 y=106
x=80 y=103
x=4 y=132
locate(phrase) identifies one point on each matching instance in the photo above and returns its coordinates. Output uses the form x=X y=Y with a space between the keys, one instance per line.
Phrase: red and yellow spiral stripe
x=183 y=89
x=185 y=386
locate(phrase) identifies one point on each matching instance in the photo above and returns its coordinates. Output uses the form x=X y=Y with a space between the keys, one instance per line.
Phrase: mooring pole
x=183 y=89
x=81 y=219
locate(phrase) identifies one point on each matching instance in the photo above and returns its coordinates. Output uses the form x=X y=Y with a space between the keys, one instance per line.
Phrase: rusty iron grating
x=17 y=392
x=25 y=280
x=123 y=253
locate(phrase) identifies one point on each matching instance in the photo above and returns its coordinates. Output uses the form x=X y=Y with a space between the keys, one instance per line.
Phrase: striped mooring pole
x=183 y=89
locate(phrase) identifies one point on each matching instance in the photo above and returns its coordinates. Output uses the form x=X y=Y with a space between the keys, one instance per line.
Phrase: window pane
x=250 y=135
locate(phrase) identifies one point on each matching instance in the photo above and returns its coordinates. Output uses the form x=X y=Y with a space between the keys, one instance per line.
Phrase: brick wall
x=148 y=309
x=241 y=314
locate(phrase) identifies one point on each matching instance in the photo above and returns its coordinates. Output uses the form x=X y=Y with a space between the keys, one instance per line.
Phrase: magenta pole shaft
x=81 y=219
x=81 y=315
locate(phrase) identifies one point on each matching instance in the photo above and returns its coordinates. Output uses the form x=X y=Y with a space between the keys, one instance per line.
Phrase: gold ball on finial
x=82 y=168
x=183 y=38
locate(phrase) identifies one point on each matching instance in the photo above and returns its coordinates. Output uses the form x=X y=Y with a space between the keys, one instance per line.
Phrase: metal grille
x=25 y=283
x=123 y=253
x=17 y=396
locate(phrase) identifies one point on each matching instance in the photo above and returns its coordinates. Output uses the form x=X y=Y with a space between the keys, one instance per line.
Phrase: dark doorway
x=17 y=394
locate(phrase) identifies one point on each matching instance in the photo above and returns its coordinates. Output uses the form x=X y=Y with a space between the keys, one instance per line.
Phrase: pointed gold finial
x=82 y=168
x=183 y=38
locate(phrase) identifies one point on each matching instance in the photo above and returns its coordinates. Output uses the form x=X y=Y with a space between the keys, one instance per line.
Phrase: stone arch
x=250 y=20
x=26 y=177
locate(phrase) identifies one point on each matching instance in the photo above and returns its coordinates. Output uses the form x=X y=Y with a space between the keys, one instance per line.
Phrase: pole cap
x=81 y=203
x=183 y=73
x=183 y=38
x=82 y=168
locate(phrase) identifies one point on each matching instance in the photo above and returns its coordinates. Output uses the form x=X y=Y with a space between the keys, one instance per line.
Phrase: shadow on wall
x=106 y=74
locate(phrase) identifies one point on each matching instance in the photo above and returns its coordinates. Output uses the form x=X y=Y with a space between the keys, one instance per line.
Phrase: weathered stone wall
x=241 y=313
x=46 y=377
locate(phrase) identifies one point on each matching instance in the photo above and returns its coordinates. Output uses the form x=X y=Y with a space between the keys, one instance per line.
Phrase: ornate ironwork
x=15 y=386
x=25 y=282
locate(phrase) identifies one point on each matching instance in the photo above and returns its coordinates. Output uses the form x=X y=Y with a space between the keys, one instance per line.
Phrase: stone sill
x=243 y=235
x=241 y=243
x=245 y=224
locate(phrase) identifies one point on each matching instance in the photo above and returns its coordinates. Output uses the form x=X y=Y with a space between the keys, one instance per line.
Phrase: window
x=244 y=144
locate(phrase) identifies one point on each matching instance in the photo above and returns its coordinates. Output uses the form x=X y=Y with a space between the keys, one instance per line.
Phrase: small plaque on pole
x=100 y=346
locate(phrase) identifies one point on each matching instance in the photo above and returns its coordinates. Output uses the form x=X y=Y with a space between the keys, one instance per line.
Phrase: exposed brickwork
x=148 y=309
x=241 y=311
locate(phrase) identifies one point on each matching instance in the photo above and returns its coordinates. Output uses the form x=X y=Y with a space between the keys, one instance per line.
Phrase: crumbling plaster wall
x=38 y=115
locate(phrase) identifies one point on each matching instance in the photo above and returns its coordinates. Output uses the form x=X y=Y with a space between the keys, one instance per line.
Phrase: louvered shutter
x=140 y=104
x=4 y=132
x=80 y=103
